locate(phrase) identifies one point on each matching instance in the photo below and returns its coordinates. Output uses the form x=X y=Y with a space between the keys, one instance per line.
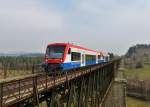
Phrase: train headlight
x=46 y=60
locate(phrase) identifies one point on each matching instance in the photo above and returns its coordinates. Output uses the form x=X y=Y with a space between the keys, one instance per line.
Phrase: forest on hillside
x=137 y=56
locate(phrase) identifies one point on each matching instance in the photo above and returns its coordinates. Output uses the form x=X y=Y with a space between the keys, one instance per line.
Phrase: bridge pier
x=86 y=91
x=115 y=96
x=48 y=98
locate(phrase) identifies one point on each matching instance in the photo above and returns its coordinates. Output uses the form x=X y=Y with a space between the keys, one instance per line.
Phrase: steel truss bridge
x=79 y=87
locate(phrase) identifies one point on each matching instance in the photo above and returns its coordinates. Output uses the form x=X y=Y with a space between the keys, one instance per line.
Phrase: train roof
x=74 y=46
x=105 y=53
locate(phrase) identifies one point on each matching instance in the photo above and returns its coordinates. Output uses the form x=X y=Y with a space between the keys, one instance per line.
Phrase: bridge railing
x=15 y=90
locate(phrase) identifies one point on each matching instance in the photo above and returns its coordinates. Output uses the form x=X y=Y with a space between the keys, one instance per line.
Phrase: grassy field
x=141 y=73
x=14 y=73
x=133 y=102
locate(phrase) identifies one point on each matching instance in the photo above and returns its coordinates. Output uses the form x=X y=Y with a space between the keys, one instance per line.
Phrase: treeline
x=134 y=49
x=19 y=61
x=137 y=56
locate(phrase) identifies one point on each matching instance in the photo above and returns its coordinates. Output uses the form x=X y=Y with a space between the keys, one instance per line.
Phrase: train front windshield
x=55 y=51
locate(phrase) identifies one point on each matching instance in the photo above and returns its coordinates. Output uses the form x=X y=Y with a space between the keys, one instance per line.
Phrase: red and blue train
x=62 y=56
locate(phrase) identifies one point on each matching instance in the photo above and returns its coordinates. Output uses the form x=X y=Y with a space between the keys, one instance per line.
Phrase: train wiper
x=55 y=58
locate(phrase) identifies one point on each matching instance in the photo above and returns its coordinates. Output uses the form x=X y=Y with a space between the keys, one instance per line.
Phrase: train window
x=75 y=56
x=90 y=57
x=99 y=57
x=69 y=51
x=55 y=51
x=83 y=58
x=103 y=57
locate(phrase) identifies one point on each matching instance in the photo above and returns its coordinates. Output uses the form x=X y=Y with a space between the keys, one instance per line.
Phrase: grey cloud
x=98 y=24
x=24 y=25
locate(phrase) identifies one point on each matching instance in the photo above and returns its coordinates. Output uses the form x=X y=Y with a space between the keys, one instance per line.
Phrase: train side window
x=75 y=56
x=69 y=51
x=90 y=57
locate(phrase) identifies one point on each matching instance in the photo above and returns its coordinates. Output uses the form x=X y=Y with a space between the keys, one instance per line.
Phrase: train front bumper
x=52 y=67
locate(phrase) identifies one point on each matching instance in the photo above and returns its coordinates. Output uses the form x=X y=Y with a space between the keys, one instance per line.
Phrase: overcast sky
x=111 y=25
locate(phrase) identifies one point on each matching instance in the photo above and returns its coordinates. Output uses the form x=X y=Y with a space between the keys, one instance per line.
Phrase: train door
x=96 y=59
x=83 y=59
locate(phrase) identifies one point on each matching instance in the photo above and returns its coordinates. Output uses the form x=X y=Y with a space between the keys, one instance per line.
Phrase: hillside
x=137 y=66
x=138 y=55
x=142 y=50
